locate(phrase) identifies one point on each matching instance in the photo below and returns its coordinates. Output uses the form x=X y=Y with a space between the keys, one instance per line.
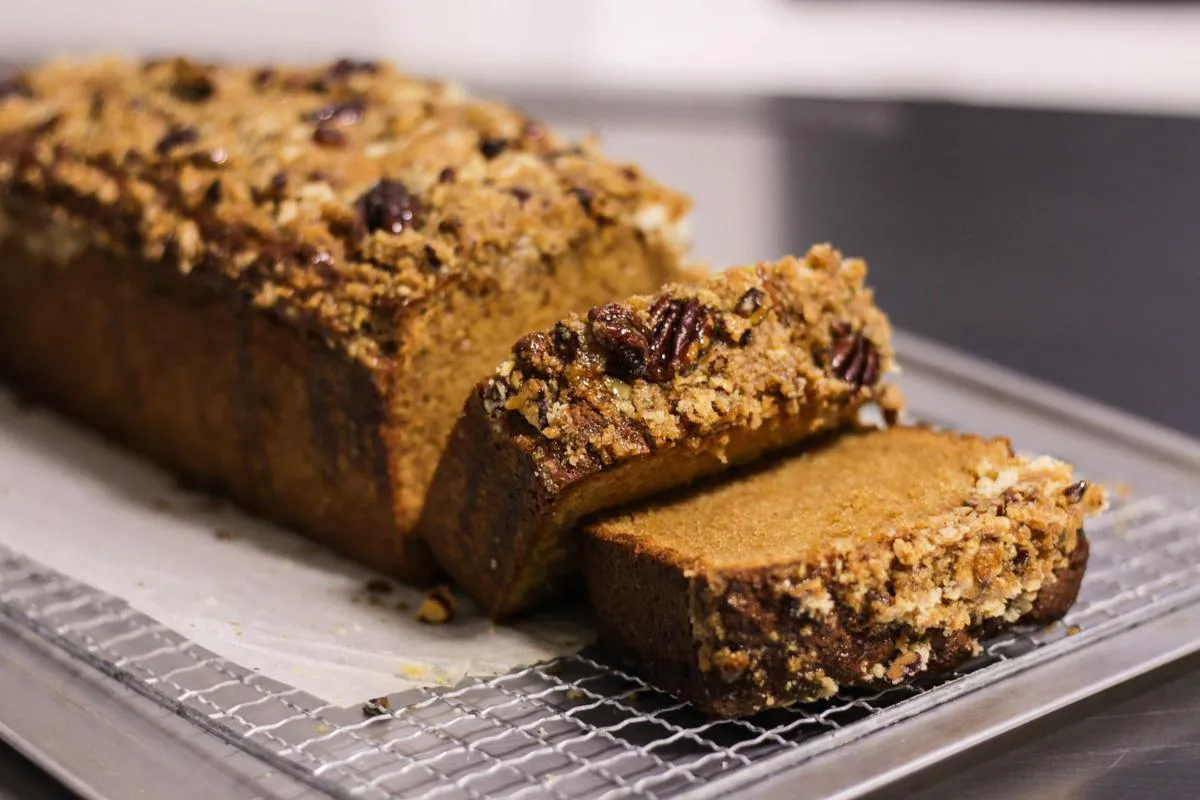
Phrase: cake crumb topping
x=335 y=194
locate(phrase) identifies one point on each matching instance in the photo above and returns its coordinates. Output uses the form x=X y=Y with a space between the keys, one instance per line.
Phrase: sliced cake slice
x=864 y=560
x=641 y=396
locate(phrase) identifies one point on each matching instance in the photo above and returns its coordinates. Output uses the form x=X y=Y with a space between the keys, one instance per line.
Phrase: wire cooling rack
x=576 y=727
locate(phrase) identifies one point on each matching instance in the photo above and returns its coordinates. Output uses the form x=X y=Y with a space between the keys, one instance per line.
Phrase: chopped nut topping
x=1075 y=492
x=534 y=352
x=585 y=198
x=387 y=206
x=432 y=259
x=749 y=303
x=209 y=159
x=174 y=138
x=191 y=82
x=343 y=68
x=347 y=113
x=212 y=195
x=566 y=342
x=492 y=147
x=495 y=395
x=329 y=137
x=263 y=77
x=354 y=120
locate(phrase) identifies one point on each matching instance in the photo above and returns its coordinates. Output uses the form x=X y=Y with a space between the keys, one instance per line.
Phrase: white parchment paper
x=254 y=594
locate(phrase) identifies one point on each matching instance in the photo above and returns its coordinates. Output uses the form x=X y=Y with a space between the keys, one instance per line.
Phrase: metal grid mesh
x=576 y=727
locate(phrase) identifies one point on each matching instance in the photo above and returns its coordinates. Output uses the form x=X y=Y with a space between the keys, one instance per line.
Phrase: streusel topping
x=800 y=336
x=336 y=195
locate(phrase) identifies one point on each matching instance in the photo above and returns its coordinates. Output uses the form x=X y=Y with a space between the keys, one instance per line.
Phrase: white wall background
x=1132 y=56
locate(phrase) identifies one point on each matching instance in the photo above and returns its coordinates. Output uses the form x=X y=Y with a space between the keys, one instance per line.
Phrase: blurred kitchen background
x=1023 y=177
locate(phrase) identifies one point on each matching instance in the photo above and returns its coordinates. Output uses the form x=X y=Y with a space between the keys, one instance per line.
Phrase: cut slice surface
x=862 y=560
x=643 y=396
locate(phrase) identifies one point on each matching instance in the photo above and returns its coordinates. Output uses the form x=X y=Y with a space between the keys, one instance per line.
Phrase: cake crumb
x=223 y=536
x=376 y=707
x=1074 y=629
x=414 y=672
x=438 y=607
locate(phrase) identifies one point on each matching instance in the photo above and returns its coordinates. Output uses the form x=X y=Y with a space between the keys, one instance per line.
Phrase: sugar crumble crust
x=254 y=177
x=757 y=365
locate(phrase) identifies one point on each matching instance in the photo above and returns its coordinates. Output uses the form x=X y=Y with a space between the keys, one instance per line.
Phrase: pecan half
x=682 y=331
x=853 y=358
x=388 y=206
x=623 y=337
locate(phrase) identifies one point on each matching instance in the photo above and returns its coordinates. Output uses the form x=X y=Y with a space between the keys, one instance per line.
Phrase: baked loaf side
x=863 y=561
x=641 y=396
x=283 y=282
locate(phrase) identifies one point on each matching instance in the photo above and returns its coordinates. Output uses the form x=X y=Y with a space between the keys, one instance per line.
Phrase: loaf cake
x=283 y=282
x=644 y=395
x=862 y=561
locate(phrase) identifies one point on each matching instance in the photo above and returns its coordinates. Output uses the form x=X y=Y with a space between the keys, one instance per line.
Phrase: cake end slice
x=642 y=396
x=864 y=560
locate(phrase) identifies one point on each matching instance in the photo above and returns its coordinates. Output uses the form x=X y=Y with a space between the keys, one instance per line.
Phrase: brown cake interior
x=861 y=488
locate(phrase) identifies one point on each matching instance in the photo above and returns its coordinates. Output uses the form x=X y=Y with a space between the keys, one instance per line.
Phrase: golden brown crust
x=789 y=624
x=642 y=396
x=234 y=401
